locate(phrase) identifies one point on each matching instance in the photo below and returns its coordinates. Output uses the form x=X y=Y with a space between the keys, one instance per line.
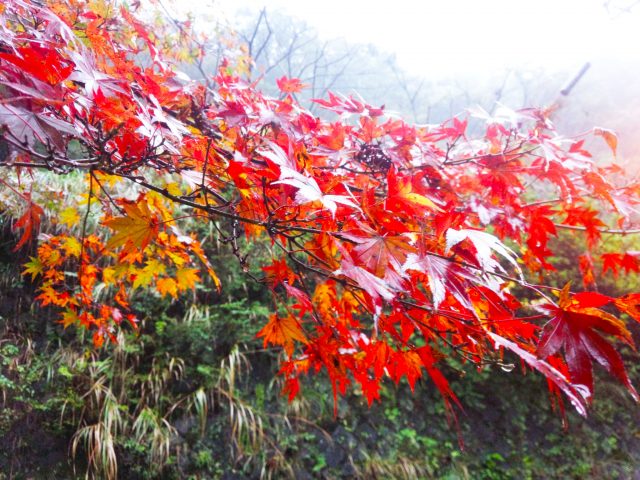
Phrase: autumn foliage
x=394 y=246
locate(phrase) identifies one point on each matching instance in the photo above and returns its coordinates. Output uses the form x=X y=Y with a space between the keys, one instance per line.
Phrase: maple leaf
x=378 y=252
x=291 y=388
x=402 y=194
x=309 y=191
x=370 y=386
x=98 y=339
x=406 y=364
x=587 y=218
x=283 y=331
x=335 y=137
x=94 y=81
x=586 y=269
x=151 y=270
x=69 y=317
x=340 y=104
x=609 y=136
x=375 y=286
x=485 y=244
x=290 y=85
x=324 y=298
x=279 y=272
x=136 y=229
x=539 y=227
x=579 y=396
x=628 y=261
x=29 y=222
x=573 y=327
x=304 y=302
x=196 y=248
x=167 y=286
x=69 y=217
x=428 y=358
x=34 y=268
x=71 y=247
x=187 y=278
x=343 y=104
x=444 y=276
x=49 y=296
x=35 y=126
x=629 y=304
x=44 y=63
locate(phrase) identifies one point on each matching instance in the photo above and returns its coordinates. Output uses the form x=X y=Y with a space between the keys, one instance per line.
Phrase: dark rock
x=334 y=455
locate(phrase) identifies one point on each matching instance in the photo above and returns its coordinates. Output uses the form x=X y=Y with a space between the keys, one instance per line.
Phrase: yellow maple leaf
x=71 y=246
x=33 y=268
x=69 y=217
x=105 y=178
x=109 y=275
x=136 y=229
x=174 y=189
x=159 y=205
x=152 y=269
x=324 y=299
x=179 y=258
x=405 y=190
x=69 y=317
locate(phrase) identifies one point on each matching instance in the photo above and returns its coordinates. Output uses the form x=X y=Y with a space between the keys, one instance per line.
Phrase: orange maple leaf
x=167 y=286
x=282 y=331
x=186 y=278
x=30 y=222
x=290 y=85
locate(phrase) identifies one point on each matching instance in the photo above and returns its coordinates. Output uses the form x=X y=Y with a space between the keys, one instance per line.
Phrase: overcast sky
x=450 y=37
x=475 y=40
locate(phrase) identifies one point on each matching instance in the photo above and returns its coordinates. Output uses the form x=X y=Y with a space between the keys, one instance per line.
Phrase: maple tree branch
x=50 y=161
x=111 y=200
x=204 y=173
x=522 y=282
x=601 y=230
x=514 y=151
x=84 y=229
x=310 y=268
x=457 y=349
x=13 y=189
x=307 y=251
x=210 y=209
x=183 y=201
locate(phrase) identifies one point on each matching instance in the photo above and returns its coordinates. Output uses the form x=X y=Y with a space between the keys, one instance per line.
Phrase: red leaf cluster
x=395 y=246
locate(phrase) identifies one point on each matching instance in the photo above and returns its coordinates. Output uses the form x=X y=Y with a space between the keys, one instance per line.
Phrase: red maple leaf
x=290 y=85
x=577 y=327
